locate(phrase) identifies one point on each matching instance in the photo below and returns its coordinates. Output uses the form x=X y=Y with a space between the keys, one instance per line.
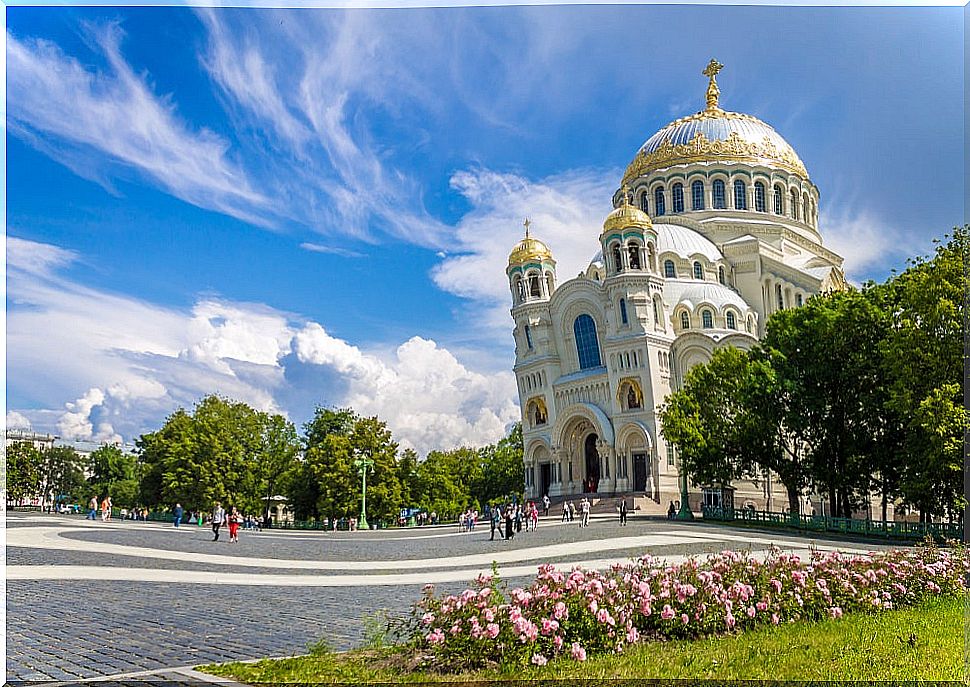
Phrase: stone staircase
x=607 y=504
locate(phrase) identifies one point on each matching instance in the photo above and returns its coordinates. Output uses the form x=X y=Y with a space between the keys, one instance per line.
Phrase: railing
x=823 y=523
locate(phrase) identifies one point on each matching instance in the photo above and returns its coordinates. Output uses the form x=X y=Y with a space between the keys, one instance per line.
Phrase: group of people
x=105 y=509
x=570 y=511
x=508 y=519
x=220 y=516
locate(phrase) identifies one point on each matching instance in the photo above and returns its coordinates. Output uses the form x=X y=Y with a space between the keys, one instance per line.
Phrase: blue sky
x=301 y=207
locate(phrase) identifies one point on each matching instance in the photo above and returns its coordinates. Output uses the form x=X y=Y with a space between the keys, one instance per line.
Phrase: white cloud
x=66 y=109
x=331 y=250
x=16 y=420
x=127 y=363
x=566 y=210
x=865 y=241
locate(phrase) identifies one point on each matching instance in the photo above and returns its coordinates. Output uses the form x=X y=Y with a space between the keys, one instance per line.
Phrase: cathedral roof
x=673 y=238
x=715 y=135
x=692 y=292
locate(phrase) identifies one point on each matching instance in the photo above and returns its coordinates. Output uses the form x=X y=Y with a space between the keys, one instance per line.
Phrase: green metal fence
x=822 y=523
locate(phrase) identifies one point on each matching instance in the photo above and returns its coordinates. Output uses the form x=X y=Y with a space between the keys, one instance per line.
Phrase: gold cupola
x=530 y=250
x=627 y=215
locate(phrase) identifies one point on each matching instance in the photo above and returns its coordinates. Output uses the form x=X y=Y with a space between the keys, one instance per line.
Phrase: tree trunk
x=833 y=501
x=794 y=501
x=885 y=503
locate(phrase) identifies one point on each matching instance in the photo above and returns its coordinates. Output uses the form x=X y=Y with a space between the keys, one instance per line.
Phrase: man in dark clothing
x=218 y=516
x=623 y=511
x=177 y=516
x=509 y=523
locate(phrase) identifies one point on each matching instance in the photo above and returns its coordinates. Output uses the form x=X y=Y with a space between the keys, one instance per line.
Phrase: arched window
x=697 y=195
x=793 y=208
x=617 y=258
x=740 y=195
x=643 y=201
x=778 y=197
x=670 y=272
x=656 y=310
x=759 y=197
x=698 y=270
x=528 y=336
x=623 y=310
x=750 y=325
x=805 y=214
x=684 y=320
x=707 y=318
x=678 y=192
x=519 y=290
x=798 y=300
x=731 y=322
x=587 y=345
x=780 y=297
x=634 y=250
x=720 y=274
x=659 y=207
x=718 y=188
x=535 y=289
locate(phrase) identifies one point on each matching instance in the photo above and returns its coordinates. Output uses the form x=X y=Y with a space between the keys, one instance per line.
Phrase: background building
x=715 y=227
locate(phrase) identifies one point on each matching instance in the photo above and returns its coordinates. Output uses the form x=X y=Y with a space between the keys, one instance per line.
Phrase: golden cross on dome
x=527 y=223
x=713 y=92
x=625 y=190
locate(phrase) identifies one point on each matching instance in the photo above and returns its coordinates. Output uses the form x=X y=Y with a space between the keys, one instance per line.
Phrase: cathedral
x=714 y=228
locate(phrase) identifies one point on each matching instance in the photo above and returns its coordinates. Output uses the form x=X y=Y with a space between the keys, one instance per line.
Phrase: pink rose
x=750 y=611
x=539 y=660
x=667 y=612
x=492 y=630
x=436 y=636
x=578 y=652
x=684 y=618
x=427 y=618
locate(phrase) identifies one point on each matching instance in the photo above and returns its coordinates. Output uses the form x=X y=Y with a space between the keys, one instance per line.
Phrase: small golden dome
x=627 y=215
x=529 y=250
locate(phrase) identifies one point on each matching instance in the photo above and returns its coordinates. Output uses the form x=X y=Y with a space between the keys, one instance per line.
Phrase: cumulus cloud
x=126 y=364
x=865 y=241
x=68 y=110
x=16 y=420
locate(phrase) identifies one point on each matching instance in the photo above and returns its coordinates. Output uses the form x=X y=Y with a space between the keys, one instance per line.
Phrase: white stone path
x=378 y=572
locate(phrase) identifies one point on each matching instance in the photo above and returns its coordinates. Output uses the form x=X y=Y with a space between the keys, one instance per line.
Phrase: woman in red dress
x=234 y=519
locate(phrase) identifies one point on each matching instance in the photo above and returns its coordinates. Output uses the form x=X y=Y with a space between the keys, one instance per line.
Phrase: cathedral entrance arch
x=592 y=477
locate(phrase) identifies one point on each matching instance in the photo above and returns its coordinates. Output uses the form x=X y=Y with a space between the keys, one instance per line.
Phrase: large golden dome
x=715 y=135
x=627 y=215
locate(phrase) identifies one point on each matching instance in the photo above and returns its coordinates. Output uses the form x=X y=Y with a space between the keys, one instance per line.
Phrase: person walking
x=623 y=512
x=565 y=511
x=545 y=504
x=218 y=516
x=572 y=511
x=177 y=515
x=106 y=509
x=93 y=508
x=493 y=523
x=584 y=509
x=234 y=519
x=671 y=511
x=509 y=524
x=535 y=517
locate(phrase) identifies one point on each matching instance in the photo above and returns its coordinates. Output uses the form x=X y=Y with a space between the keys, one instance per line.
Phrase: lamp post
x=685 y=512
x=363 y=465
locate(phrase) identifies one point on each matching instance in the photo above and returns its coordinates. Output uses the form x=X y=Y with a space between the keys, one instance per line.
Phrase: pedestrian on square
x=234 y=519
x=106 y=509
x=177 y=515
x=218 y=517
x=535 y=517
x=565 y=511
x=545 y=504
x=584 y=510
x=493 y=523
x=93 y=508
x=623 y=510
x=509 y=523
x=572 y=511
x=671 y=511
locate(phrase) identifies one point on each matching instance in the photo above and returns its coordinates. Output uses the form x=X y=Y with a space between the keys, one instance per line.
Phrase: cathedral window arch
x=684 y=320
x=779 y=197
x=519 y=289
x=759 y=197
x=698 y=270
x=617 y=258
x=630 y=396
x=670 y=272
x=740 y=195
x=528 y=336
x=697 y=195
x=720 y=274
x=707 y=319
x=750 y=325
x=678 y=197
x=633 y=248
x=657 y=310
x=732 y=323
x=644 y=205
x=587 y=345
x=805 y=215
x=535 y=288
x=623 y=317
x=719 y=200
x=793 y=204
x=659 y=205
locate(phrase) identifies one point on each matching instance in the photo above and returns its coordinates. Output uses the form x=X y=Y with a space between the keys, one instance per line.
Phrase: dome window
x=697 y=195
x=660 y=207
x=707 y=318
x=740 y=195
x=750 y=325
x=731 y=321
x=684 y=320
x=720 y=274
x=617 y=258
x=805 y=214
x=793 y=207
x=670 y=272
x=678 y=193
x=623 y=317
x=634 y=251
x=698 y=270
x=759 y=197
x=719 y=200
x=535 y=289
x=778 y=200
x=587 y=346
x=643 y=201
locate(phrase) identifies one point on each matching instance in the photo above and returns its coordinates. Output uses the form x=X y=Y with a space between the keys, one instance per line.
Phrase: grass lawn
x=920 y=643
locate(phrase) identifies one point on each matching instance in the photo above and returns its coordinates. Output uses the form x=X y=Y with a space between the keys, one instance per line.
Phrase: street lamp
x=363 y=465
x=685 y=512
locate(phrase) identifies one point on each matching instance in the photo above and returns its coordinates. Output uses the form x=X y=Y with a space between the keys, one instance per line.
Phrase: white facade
x=715 y=228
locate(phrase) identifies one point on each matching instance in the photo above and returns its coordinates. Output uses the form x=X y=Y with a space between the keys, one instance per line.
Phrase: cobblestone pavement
x=62 y=629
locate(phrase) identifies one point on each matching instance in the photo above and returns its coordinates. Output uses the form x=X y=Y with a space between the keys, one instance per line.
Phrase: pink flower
x=557 y=642
x=835 y=612
x=578 y=652
x=492 y=630
x=436 y=636
x=774 y=618
x=777 y=585
x=729 y=619
x=427 y=618
x=761 y=606
x=750 y=611
x=684 y=618
x=489 y=614
x=632 y=635
x=667 y=612
x=559 y=610
x=539 y=660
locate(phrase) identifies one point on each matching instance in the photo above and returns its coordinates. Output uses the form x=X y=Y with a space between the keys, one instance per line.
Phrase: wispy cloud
x=331 y=250
x=69 y=110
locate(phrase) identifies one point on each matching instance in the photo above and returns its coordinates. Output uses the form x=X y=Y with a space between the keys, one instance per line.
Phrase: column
x=604 y=451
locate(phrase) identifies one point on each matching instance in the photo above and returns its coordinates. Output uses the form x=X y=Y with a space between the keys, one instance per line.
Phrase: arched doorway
x=592 y=477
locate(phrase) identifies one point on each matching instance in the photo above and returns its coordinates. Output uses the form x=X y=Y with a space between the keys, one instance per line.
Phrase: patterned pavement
x=88 y=600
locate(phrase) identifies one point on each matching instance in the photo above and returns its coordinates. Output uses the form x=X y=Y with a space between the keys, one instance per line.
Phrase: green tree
x=61 y=475
x=114 y=473
x=276 y=455
x=502 y=471
x=23 y=461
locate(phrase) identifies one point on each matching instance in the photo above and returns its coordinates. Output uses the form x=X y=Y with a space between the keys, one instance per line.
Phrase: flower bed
x=574 y=614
